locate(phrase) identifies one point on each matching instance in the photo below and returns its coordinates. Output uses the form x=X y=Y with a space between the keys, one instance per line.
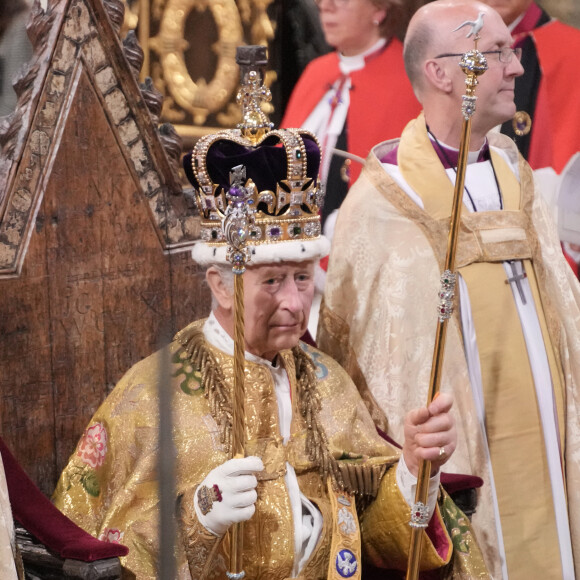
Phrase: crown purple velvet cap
x=266 y=164
x=281 y=172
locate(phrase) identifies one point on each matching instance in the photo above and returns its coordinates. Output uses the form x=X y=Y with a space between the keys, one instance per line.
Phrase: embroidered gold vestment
x=110 y=484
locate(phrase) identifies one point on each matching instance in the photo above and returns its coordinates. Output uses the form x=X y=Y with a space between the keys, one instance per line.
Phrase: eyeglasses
x=504 y=54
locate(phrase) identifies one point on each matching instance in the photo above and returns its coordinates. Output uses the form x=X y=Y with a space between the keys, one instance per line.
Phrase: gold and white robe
x=379 y=320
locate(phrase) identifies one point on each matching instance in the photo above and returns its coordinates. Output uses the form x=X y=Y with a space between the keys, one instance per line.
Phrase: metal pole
x=473 y=64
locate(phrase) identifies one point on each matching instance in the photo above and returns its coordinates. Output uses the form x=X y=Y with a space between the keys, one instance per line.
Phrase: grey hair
x=415 y=52
x=227 y=277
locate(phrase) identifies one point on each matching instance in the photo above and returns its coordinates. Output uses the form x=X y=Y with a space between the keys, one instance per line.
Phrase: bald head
x=433 y=49
x=431 y=32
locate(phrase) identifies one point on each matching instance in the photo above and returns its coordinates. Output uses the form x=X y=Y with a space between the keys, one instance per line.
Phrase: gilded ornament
x=522 y=123
x=199 y=98
x=237 y=22
x=206 y=496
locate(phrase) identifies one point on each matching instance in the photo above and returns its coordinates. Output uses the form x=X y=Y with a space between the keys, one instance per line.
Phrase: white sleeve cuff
x=407 y=483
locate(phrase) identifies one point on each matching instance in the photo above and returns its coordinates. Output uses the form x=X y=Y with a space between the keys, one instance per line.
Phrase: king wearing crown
x=280 y=472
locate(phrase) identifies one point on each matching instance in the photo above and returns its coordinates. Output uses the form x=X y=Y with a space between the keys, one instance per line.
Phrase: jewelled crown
x=277 y=170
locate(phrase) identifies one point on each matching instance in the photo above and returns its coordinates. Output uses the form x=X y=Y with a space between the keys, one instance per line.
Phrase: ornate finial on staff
x=473 y=63
x=252 y=61
x=475 y=27
x=239 y=219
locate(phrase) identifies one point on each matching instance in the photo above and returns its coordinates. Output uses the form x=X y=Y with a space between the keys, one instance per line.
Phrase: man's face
x=509 y=10
x=496 y=86
x=495 y=91
x=277 y=300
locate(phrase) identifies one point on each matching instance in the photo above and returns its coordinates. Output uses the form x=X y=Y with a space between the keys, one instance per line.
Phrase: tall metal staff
x=239 y=218
x=235 y=227
x=473 y=63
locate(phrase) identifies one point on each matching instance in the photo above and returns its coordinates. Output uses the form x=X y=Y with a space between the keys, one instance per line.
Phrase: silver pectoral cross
x=517 y=278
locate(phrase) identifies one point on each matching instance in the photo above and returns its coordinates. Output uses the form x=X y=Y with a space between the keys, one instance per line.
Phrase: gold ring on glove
x=206 y=496
x=442 y=453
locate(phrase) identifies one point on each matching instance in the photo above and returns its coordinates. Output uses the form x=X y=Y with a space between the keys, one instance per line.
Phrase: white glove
x=236 y=484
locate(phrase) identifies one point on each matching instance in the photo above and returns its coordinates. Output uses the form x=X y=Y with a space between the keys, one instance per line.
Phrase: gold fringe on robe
x=110 y=485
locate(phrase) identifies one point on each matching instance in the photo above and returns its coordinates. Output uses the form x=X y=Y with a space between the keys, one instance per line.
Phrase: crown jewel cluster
x=288 y=213
x=239 y=220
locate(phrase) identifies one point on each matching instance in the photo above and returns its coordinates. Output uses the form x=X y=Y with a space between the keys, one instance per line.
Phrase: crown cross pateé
x=290 y=212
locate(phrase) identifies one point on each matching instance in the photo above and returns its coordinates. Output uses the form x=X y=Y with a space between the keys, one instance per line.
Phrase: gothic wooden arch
x=94 y=231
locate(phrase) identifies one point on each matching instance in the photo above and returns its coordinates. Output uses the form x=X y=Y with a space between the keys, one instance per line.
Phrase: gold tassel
x=316 y=440
x=362 y=480
x=213 y=380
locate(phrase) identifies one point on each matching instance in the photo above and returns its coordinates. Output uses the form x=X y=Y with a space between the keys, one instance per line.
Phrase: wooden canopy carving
x=93 y=231
x=82 y=48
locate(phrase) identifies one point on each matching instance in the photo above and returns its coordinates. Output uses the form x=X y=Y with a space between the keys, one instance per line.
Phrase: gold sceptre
x=239 y=218
x=473 y=63
x=236 y=232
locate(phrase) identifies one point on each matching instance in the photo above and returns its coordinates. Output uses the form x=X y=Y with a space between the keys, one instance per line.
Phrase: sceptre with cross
x=238 y=220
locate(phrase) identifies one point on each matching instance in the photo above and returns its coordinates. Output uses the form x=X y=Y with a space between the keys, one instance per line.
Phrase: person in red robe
x=546 y=92
x=357 y=95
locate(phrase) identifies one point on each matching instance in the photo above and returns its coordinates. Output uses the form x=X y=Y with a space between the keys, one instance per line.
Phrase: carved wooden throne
x=94 y=231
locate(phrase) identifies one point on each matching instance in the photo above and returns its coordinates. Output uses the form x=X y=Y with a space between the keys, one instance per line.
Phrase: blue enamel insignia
x=346 y=563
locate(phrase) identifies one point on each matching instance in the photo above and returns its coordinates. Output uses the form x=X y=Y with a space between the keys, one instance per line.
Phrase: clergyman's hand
x=228 y=493
x=430 y=434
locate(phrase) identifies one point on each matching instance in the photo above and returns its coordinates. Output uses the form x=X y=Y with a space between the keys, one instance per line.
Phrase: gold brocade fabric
x=378 y=524
x=462 y=566
x=378 y=317
x=110 y=485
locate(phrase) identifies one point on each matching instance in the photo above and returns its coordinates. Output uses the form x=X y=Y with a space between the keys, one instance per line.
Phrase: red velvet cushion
x=45 y=522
